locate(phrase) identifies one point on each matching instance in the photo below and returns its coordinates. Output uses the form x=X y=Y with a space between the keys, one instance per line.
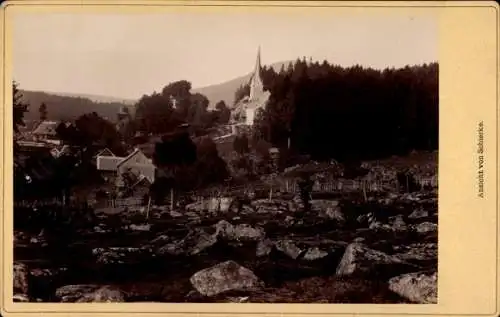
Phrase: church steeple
x=256 y=85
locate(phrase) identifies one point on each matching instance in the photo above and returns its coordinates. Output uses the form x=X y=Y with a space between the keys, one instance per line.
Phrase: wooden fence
x=289 y=186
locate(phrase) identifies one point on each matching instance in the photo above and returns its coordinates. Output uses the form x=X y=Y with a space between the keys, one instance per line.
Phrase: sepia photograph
x=225 y=156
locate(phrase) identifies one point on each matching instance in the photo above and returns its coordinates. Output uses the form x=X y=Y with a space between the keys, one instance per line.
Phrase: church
x=246 y=109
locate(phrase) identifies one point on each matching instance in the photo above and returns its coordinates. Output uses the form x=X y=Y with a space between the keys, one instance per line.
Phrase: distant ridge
x=94 y=98
x=63 y=106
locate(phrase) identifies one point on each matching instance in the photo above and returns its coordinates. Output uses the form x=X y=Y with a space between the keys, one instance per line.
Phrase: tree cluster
x=350 y=113
x=93 y=132
x=186 y=164
x=163 y=112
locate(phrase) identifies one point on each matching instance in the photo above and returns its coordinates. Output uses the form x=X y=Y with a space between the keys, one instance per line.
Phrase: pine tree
x=43 y=111
x=19 y=107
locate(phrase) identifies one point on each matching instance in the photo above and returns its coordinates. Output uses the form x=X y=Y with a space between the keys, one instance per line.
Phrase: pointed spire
x=256 y=85
x=257 y=63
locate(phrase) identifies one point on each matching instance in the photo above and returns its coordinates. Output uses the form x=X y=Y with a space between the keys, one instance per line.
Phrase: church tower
x=256 y=85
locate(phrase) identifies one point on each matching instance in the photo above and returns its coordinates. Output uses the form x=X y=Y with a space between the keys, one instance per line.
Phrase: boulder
x=398 y=224
x=223 y=277
x=314 y=254
x=20 y=298
x=88 y=293
x=121 y=255
x=242 y=232
x=426 y=227
x=289 y=248
x=264 y=247
x=358 y=259
x=193 y=243
x=417 y=287
x=419 y=213
x=21 y=276
x=144 y=227
x=417 y=252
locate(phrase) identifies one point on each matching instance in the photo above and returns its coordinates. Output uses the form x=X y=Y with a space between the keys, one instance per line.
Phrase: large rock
x=121 y=255
x=417 y=287
x=426 y=227
x=289 y=248
x=398 y=223
x=242 y=232
x=327 y=208
x=21 y=276
x=87 y=293
x=417 y=252
x=314 y=253
x=193 y=243
x=359 y=259
x=419 y=213
x=264 y=247
x=223 y=277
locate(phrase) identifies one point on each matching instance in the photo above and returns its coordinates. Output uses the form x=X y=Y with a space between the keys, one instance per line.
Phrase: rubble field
x=344 y=250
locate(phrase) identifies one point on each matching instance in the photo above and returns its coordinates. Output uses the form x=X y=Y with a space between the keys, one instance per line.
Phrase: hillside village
x=259 y=187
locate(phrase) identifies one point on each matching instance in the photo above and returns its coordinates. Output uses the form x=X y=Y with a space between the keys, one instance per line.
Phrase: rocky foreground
x=345 y=250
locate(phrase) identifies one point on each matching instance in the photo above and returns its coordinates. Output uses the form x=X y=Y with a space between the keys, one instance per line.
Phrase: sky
x=127 y=55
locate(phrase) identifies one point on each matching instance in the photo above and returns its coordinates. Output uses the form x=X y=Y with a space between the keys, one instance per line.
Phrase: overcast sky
x=128 y=55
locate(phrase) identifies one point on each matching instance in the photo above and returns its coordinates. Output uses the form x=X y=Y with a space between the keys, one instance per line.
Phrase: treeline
x=351 y=113
x=67 y=107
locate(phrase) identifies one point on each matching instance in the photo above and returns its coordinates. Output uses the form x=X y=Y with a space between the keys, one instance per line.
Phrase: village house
x=118 y=170
x=46 y=132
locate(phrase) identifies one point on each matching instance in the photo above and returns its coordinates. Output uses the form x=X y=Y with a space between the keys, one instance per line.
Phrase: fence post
x=171 y=199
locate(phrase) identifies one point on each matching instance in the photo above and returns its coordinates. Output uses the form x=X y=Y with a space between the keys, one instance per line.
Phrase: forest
x=350 y=113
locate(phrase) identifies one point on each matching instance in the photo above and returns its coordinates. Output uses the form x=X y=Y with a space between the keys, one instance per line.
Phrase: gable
x=106 y=152
x=136 y=157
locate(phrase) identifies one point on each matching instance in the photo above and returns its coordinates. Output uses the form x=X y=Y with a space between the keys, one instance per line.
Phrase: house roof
x=108 y=163
x=46 y=128
x=105 y=152
x=136 y=151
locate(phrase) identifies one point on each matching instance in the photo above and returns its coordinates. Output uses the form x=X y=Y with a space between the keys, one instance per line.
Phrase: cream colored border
x=468 y=244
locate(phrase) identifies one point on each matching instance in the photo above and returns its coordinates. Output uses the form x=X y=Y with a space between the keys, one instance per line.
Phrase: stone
x=105 y=294
x=417 y=252
x=144 y=227
x=334 y=213
x=223 y=277
x=289 y=248
x=242 y=232
x=20 y=298
x=88 y=293
x=193 y=243
x=359 y=259
x=398 y=224
x=175 y=214
x=418 y=213
x=120 y=255
x=426 y=227
x=417 y=287
x=21 y=275
x=264 y=248
x=314 y=254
